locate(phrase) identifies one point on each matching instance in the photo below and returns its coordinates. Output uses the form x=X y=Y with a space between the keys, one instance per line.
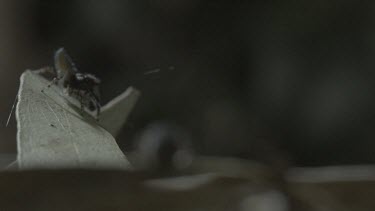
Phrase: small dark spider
x=83 y=86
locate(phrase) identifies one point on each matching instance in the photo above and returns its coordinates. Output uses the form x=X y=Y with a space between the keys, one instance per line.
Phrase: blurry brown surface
x=120 y=190
x=350 y=195
x=111 y=190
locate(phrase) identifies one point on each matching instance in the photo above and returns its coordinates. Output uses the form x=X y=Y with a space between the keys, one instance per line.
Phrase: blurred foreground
x=227 y=185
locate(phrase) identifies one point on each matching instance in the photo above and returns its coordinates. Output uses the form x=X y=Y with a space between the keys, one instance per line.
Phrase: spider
x=83 y=86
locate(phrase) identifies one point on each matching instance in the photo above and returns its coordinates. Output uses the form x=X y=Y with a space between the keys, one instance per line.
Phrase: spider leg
x=54 y=81
x=98 y=107
x=69 y=90
x=81 y=98
x=81 y=102
x=95 y=100
x=78 y=95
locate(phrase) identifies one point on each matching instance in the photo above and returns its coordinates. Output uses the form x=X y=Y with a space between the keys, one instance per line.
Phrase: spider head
x=84 y=81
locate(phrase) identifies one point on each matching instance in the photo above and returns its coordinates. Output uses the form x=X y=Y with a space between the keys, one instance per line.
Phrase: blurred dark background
x=288 y=82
